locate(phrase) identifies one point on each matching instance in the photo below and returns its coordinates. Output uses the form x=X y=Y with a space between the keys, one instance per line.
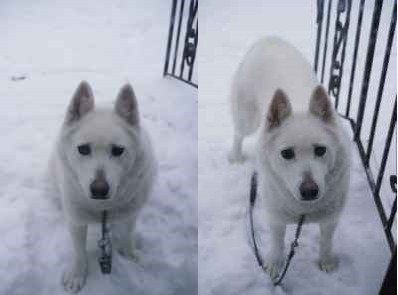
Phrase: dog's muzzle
x=99 y=189
x=309 y=190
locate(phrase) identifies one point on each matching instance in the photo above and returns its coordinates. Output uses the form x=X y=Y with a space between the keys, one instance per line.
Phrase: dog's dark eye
x=287 y=154
x=84 y=149
x=319 y=150
x=117 y=151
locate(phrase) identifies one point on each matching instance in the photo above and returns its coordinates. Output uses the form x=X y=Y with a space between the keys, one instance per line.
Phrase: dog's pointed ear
x=126 y=105
x=279 y=110
x=320 y=105
x=82 y=102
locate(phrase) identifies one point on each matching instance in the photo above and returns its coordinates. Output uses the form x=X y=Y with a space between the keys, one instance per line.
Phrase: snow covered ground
x=226 y=261
x=56 y=44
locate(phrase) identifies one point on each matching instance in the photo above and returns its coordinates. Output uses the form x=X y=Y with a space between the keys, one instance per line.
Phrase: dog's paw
x=129 y=254
x=272 y=267
x=328 y=264
x=272 y=270
x=236 y=158
x=74 y=279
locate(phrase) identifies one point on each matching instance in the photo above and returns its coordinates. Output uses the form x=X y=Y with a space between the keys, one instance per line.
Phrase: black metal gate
x=371 y=57
x=181 y=50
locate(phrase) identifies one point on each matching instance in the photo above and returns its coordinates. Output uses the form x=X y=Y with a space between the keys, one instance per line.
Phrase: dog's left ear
x=126 y=105
x=320 y=105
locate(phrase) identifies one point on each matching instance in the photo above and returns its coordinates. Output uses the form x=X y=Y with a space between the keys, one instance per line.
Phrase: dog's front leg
x=275 y=257
x=127 y=245
x=327 y=261
x=74 y=277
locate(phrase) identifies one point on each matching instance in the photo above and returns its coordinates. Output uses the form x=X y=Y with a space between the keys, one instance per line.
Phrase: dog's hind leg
x=246 y=119
x=74 y=278
x=327 y=261
x=236 y=155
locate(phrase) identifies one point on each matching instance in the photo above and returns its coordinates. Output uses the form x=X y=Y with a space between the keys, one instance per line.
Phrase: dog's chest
x=288 y=210
x=87 y=215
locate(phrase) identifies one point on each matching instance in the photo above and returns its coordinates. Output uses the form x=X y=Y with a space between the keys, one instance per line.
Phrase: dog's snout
x=99 y=189
x=309 y=190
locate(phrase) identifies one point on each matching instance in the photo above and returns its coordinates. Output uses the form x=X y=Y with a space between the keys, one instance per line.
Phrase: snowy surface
x=56 y=44
x=226 y=261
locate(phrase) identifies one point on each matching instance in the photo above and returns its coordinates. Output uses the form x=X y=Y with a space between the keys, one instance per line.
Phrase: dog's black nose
x=99 y=189
x=309 y=190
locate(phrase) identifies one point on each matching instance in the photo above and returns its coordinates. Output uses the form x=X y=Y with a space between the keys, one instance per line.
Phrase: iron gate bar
x=368 y=65
x=170 y=38
x=389 y=285
x=194 y=54
x=188 y=53
x=393 y=184
x=382 y=170
x=390 y=220
x=325 y=47
x=319 y=20
x=178 y=36
x=354 y=64
x=387 y=147
x=335 y=78
x=193 y=10
x=374 y=182
x=375 y=185
x=386 y=60
x=340 y=42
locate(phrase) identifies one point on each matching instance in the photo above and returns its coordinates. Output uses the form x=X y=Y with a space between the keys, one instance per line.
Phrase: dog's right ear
x=320 y=105
x=279 y=109
x=82 y=102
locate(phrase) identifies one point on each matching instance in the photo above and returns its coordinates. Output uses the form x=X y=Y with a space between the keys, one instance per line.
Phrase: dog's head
x=101 y=146
x=301 y=149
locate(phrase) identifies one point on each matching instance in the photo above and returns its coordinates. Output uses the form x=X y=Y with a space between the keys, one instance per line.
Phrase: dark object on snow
x=18 y=78
x=390 y=281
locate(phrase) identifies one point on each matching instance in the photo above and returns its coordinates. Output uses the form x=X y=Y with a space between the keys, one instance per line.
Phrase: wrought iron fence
x=181 y=50
x=351 y=95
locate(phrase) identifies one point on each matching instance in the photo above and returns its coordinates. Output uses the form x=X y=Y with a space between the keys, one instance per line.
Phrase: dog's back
x=270 y=64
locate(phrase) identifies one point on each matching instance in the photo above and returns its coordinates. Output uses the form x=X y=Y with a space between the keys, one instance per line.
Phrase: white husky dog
x=303 y=154
x=103 y=161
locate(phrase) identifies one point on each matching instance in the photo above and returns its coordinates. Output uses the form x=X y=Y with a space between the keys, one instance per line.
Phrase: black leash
x=293 y=245
x=105 y=245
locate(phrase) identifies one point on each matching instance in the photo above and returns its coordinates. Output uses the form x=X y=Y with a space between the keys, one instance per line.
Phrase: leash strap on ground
x=293 y=245
x=105 y=245
x=253 y=195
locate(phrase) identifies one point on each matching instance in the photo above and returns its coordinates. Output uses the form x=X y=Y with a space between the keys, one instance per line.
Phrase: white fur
x=130 y=176
x=305 y=121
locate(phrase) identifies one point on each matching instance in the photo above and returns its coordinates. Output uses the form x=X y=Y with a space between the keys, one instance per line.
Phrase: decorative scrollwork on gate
x=191 y=38
x=339 y=45
x=182 y=51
